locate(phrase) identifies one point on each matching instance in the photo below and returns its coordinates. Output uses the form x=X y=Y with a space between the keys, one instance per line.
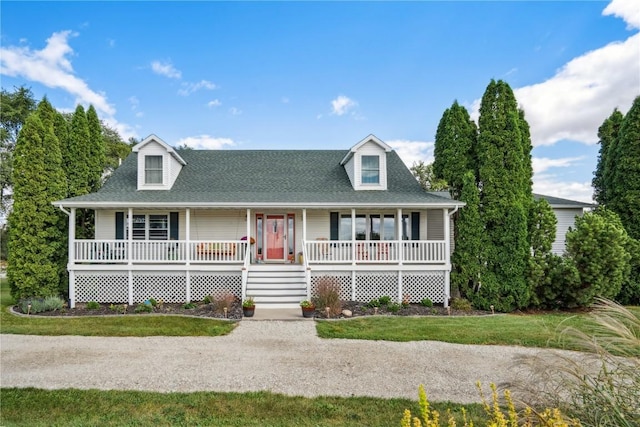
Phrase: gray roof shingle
x=269 y=177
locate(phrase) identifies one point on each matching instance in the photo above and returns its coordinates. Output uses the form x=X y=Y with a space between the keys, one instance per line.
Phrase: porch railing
x=376 y=251
x=160 y=251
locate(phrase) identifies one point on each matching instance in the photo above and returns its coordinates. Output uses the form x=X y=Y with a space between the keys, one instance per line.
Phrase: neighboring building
x=566 y=212
x=181 y=225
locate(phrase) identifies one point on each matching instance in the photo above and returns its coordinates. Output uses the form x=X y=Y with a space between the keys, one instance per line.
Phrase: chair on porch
x=362 y=251
x=324 y=251
x=383 y=251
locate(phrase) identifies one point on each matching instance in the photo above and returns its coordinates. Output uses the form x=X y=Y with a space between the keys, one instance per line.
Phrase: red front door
x=275 y=234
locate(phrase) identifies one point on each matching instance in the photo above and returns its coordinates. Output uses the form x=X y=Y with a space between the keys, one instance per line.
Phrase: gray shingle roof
x=557 y=202
x=269 y=177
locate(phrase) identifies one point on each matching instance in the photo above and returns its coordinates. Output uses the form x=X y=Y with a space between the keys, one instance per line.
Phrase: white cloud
x=205 y=142
x=342 y=105
x=412 y=151
x=628 y=10
x=549 y=185
x=51 y=67
x=165 y=69
x=542 y=164
x=214 y=103
x=583 y=93
x=235 y=111
x=189 y=88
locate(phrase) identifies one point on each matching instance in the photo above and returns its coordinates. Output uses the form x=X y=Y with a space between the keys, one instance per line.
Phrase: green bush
x=39 y=305
x=384 y=300
x=189 y=306
x=53 y=303
x=394 y=307
x=143 y=308
x=460 y=304
x=426 y=302
x=374 y=303
x=328 y=295
x=207 y=299
x=92 y=305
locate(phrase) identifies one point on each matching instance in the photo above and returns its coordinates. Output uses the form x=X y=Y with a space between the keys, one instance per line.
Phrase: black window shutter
x=415 y=225
x=173 y=226
x=120 y=225
x=334 y=218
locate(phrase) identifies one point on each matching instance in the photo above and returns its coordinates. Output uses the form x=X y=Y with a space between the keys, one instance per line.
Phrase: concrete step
x=262 y=285
x=301 y=292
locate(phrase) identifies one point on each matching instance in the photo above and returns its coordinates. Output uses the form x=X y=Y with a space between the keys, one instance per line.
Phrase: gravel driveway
x=282 y=357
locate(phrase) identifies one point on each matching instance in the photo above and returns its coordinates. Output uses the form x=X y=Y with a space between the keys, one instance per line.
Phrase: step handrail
x=245 y=272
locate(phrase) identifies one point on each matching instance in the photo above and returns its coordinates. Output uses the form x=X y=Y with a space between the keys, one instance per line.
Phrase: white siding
x=370 y=149
x=349 y=167
x=219 y=224
x=566 y=219
x=435 y=225
x=105 y=224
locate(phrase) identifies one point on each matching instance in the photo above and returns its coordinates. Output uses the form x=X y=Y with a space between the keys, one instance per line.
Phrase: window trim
x=148 y=169
x=364 y=169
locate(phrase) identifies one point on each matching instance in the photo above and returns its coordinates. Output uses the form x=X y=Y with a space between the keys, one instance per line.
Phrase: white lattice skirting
x=171 y=287
x=416 y=285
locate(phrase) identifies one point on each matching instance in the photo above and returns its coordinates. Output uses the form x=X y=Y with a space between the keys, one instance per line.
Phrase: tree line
x=47 y=155
x=503 y=237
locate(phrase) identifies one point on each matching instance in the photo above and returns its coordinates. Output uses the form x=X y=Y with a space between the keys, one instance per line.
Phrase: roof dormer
x=366 y=164
x=158 y=164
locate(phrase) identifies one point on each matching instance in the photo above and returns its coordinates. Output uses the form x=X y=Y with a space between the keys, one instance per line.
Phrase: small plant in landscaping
x=225 y=301
x=143 y=308
x=394 y=307
x=248 y=303
x=328 y=295
x=153 y=302
x=426 y=302
x=384 y=300
x=118 y=308
x=460 y=304
x=207 y=299
x=92 y=305
x=406 y=300
x=189 y=306
x=374 y=303
x=306 y=304
x=53 y=303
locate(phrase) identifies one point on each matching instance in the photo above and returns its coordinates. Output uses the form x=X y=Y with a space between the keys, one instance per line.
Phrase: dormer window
x=153 y=169
x=371 y=170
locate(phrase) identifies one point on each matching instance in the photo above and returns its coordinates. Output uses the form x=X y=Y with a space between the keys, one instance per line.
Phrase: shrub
x=384 y=300
x=53 y=303
x=208 y=299
x=189 y=306
x=374 y=303
x=225 y=301
x=426 y=302
x=328 y=295
x=153 y=302
x=143 y=308
x=92 y=305
x=460 y=304
x=393 y=307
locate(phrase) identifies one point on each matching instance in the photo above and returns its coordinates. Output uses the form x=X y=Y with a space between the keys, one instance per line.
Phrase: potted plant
x=248 y=307
x=308 y=308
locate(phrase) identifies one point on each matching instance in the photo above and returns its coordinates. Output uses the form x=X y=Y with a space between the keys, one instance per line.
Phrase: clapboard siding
x=435 y=224
x=566 y=219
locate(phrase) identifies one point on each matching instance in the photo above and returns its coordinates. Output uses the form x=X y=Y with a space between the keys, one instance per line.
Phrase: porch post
x=353 y=237
x=130 y=254
x=249 y=233
x=304 y=226
x=447 y=256
x=399 y=234
x=72 y=258
x=187 y=273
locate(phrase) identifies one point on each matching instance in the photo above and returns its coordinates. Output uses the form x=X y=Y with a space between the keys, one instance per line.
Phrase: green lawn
x=116 y=326
x=530 y=330
x=35 y=407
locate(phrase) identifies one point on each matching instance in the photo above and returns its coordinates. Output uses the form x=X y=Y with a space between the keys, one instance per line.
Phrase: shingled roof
x=243 y=178
x=557 y=202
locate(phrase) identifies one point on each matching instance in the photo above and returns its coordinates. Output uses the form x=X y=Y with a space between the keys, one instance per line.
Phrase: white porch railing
x=376 y=251
x=160 y=251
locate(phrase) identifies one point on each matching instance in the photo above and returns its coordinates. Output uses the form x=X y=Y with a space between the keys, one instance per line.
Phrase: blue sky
x=295 y=75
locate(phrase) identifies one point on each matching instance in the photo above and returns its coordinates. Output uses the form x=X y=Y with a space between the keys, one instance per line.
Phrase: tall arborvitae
x=61 y=129
x=607 y=134
x=467 y=257
x=623 y=188
x=78 y=155
x=503 y=177
x=455 y=147
x=35 y=236
x=97 y=157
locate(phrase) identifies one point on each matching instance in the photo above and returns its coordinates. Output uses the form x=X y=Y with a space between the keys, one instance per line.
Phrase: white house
x=180 y=225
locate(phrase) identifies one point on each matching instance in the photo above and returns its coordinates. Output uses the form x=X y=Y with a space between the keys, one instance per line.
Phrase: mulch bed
x=234 y=312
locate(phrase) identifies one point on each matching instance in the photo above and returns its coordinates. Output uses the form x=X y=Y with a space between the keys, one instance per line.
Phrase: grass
x=116 y=326
x=532 y=330
x=72 y=407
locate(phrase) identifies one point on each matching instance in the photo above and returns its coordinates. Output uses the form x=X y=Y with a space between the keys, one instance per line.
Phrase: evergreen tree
x=78 y=155
x=61 y=130
x=116 y=149
x=607 y=134
x=542 y=232
x=623 y=188
x=467 y=257
x=35 y=237
x=503 y=177
x=97 y=158
x=455 y=147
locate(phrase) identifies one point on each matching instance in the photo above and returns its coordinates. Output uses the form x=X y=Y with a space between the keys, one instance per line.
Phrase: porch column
x=72 y=258
x=399 y=234
x=249 y=233
x=187 y=273
x=447 y=256
x=304 y=226
x=130 y=254
x=353 y=237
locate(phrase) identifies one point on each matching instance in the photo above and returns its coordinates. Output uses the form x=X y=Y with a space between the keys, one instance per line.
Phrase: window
x=368 y=227
x=150 y=227
x=153 y=169
x=370 y=169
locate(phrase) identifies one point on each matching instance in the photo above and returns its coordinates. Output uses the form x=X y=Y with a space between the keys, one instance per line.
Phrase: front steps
x=276 y=285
